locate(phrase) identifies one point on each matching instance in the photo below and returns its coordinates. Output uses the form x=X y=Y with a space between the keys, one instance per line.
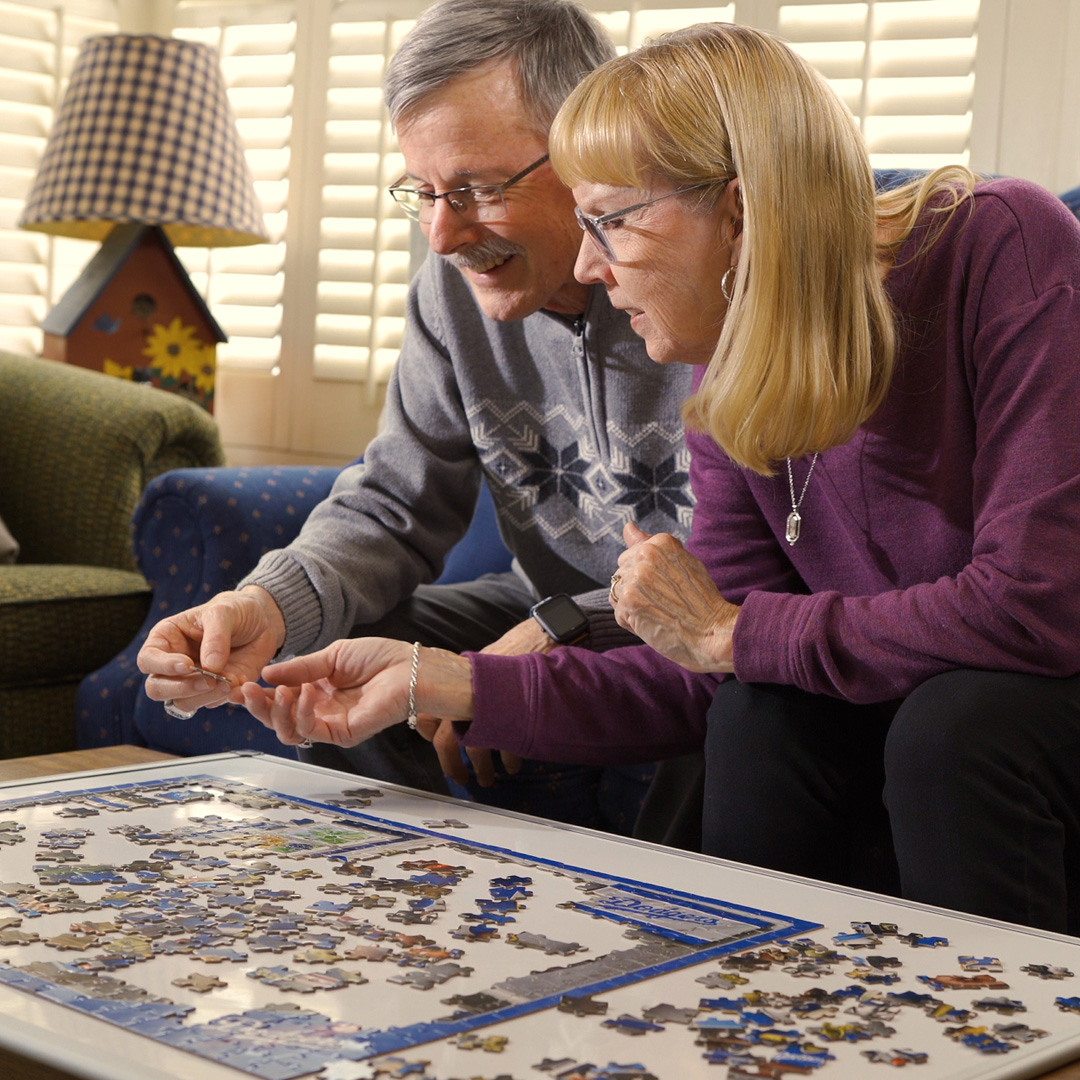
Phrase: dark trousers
x=467 y=617
x=965 y=795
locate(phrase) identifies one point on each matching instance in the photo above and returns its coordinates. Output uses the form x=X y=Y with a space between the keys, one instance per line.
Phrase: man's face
x=475 y=131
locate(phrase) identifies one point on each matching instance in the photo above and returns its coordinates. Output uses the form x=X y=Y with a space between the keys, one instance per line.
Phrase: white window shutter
x=324 y=300
x=245 y=286
x=363 y=258
x=905 y=68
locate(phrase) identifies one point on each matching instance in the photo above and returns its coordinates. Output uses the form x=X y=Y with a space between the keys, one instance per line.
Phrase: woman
x=886 y=456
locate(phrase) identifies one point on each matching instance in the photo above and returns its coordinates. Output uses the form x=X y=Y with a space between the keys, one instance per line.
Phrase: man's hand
x=235 y=634
x=665 y=596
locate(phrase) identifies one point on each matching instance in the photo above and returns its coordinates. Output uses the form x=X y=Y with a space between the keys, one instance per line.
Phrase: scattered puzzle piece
x=492 y=1044
x=199 y=983
x=631 y=1025
x=1047 y=971
x=898 y=1058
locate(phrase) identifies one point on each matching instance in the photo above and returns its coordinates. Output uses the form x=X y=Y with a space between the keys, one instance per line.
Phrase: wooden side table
x=106 y=757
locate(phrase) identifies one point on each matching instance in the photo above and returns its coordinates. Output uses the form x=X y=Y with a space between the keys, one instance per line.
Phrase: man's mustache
x=484 y=253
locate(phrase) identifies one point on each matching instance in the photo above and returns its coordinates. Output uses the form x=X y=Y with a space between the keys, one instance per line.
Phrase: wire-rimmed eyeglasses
x=596 y=227
x=484 y=202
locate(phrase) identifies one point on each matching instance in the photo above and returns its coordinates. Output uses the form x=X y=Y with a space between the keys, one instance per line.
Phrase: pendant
x=794 y=525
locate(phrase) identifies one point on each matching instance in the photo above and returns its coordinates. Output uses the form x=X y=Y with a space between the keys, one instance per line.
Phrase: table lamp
x=144 y=154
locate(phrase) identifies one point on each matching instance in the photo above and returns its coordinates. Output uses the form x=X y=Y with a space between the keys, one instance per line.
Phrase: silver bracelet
x=411 y=718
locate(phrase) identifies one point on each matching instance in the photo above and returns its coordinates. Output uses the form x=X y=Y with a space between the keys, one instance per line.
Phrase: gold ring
x=611 y=592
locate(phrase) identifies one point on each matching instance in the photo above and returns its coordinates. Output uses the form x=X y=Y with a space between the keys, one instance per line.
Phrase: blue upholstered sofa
x=196 y=532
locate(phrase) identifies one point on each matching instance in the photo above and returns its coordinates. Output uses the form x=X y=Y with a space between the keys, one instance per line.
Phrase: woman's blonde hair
x=806 y=351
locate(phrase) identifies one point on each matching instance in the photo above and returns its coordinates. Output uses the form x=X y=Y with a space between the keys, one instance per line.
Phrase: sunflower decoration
x=176 y=352
x=204 y=377
x=180 y=362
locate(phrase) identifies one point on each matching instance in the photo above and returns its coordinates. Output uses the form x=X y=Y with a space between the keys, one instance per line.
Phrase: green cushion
x=37 y=720
x=60 y=622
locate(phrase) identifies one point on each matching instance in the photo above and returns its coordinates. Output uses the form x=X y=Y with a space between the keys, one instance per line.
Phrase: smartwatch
x=561 y=619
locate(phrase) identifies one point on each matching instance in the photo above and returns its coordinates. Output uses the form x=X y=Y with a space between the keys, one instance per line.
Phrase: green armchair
x=76 y=450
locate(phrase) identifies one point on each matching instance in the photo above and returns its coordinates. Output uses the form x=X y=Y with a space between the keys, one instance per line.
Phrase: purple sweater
x=945 y=534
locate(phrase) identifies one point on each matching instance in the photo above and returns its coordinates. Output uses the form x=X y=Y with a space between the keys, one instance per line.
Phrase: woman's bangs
x=596 y=138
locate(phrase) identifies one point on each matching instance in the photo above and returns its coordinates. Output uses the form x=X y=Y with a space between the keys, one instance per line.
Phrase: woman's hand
x=355 y=688
x=526 y=637
x=665 y=596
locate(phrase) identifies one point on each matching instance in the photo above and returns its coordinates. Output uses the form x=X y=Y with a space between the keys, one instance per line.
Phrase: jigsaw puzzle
x=190 y=872
x=356 y=935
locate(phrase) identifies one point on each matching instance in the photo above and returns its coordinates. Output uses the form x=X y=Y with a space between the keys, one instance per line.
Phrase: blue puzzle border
x=168 y=1027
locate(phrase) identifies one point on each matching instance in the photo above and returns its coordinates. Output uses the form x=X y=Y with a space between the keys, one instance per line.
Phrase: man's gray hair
x=553 y=44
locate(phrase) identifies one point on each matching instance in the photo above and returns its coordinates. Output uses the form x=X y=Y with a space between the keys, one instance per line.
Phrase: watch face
x=561 y=617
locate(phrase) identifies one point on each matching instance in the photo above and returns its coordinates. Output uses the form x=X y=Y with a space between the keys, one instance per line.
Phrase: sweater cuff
x=766 y=626
x=605 y=633
x=284 y=579
x=500 y=690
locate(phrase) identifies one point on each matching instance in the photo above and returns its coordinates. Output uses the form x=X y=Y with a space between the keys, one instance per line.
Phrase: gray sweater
x=575 y=428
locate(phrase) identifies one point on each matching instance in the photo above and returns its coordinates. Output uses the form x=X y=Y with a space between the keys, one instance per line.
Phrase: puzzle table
x=239 y=915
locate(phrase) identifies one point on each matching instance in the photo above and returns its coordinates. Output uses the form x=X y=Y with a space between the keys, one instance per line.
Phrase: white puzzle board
x=321 y=925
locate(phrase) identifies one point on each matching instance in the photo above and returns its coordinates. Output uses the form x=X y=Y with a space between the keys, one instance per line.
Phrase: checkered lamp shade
x=145 y=133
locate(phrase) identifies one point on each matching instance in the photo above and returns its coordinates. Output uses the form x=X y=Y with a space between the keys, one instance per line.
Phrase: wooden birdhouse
x=134 y=313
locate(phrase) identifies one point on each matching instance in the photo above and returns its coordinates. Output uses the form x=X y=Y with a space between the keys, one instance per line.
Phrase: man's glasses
x=481 y=203
x=597 y=227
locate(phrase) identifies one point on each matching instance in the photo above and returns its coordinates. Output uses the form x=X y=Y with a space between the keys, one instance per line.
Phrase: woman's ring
x=611 y=594
x=307 y=744
x=174 y=710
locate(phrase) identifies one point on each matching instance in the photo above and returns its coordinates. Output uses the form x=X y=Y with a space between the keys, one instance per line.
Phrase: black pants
x=965 y=795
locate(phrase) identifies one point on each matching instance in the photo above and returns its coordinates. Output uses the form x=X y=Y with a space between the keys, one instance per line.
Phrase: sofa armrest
x=79 y=448
x=198 y=531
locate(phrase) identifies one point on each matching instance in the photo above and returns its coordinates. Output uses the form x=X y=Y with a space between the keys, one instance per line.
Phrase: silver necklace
x=794 y=519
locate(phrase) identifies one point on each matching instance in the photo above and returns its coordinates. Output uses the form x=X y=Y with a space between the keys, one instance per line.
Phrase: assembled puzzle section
x=342 y=933
x=294 y=896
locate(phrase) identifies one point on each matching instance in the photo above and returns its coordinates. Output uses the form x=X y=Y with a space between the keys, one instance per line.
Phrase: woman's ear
x=732 y=216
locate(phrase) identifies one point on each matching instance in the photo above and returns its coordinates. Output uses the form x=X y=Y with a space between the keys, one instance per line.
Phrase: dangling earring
x=725 y=284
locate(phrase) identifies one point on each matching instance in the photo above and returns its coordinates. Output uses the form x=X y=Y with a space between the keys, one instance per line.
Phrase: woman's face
x=671 y=257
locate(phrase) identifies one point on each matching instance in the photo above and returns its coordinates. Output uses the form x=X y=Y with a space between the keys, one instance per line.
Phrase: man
x=510 y=369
